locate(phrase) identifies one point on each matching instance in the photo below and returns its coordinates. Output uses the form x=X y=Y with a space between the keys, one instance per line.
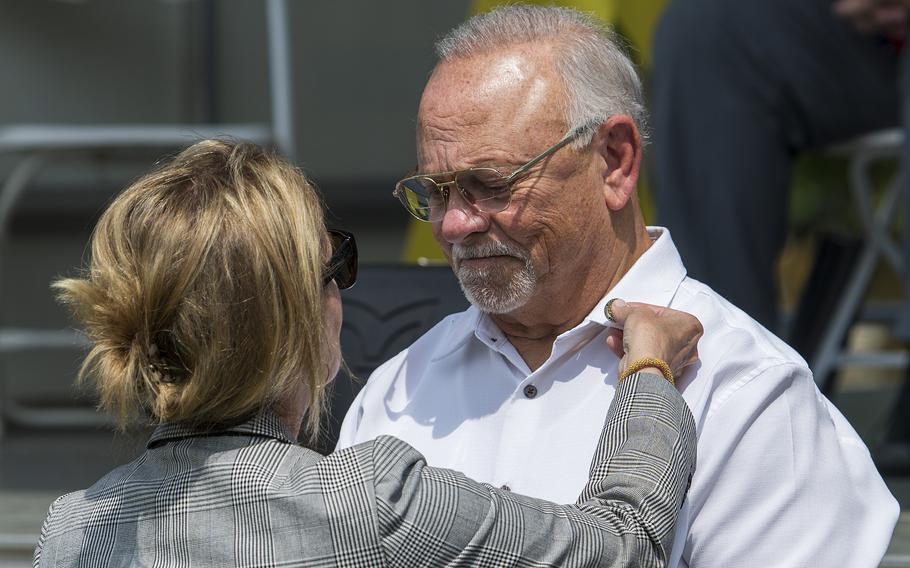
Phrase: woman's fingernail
x=608 y=310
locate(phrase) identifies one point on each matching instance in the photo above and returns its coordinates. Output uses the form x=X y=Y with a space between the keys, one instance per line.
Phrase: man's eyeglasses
x=342 y=266
x=487 y=189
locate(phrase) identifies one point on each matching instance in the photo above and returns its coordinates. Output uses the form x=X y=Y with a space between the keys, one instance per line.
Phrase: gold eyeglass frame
x=443 y=186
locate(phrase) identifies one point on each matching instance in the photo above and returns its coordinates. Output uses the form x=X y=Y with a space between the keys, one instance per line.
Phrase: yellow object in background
x=633 y=19
x=606 y=10
x=636 y=20
x=420 y=247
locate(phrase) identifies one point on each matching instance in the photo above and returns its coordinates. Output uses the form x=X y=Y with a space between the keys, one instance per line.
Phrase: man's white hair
x=600 y=79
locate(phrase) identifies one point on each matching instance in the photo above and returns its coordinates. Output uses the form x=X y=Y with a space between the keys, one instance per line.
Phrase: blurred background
x=95 y=92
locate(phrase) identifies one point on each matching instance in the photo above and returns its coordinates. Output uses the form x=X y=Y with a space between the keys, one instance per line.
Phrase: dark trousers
x=740 y=88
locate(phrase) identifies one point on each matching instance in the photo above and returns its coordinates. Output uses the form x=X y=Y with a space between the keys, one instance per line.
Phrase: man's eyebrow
x=498 y=164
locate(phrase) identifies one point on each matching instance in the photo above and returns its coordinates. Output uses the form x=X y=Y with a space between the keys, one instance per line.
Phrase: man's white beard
x=495 y=289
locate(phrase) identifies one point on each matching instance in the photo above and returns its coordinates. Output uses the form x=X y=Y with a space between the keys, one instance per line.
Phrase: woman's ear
x=617 y=143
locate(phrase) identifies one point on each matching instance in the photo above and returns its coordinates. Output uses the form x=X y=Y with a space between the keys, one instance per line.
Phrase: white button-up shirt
x=782 y=478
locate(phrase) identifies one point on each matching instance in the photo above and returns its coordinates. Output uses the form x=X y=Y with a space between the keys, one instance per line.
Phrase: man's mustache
x=484 y=250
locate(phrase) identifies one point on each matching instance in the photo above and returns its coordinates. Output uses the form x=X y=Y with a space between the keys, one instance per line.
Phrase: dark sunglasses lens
x=344 y=259
x=422 y=198
x=485 y=188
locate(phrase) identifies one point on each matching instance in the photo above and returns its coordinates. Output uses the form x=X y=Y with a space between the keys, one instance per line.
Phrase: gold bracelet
x=640 y=364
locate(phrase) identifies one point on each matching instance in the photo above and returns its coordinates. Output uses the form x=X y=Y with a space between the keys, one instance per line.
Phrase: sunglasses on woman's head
x=342 y=266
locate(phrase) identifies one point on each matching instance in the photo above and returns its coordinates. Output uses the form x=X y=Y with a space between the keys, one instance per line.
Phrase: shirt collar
x=265 y=423
x=653 y=279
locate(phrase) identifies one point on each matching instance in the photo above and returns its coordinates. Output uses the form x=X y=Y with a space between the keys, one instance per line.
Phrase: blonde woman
x=212 y=301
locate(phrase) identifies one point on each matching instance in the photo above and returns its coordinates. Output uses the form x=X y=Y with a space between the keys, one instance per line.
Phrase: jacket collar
x=265 y=423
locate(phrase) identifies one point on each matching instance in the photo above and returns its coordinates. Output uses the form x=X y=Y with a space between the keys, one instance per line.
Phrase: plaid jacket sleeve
x=625 y=516
x=253 y=498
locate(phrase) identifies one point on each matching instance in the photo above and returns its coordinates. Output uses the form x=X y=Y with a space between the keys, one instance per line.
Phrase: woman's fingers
x=621 y=310
x=616 y=311
x=614 y=341
x=654 y=331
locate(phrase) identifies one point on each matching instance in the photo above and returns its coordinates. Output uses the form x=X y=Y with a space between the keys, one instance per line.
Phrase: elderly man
x=529 y=147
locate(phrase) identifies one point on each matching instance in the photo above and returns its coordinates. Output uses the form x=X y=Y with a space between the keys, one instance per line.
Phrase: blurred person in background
x=212 y=302
x=740 y=89
x=529 y=144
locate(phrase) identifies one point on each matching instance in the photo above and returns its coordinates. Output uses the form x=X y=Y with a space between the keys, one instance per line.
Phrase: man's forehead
x=497 y=89
x=513 y=78
x=478 y=78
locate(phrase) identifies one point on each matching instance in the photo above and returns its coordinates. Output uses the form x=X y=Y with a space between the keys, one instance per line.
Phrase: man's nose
x=461 y=219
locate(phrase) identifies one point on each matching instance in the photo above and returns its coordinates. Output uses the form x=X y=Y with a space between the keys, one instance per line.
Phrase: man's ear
x=617 y=143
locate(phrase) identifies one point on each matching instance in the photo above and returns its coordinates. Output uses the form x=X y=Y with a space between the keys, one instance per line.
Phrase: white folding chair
x=876 y=220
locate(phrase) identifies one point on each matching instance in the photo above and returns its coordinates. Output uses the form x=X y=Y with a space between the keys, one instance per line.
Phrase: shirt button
x=505 y=488
x=530 y=391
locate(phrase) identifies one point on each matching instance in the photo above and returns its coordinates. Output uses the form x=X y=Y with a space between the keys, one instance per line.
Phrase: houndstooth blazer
x=250 y=496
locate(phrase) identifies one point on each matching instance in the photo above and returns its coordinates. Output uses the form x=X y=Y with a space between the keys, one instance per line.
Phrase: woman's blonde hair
x=203 y=297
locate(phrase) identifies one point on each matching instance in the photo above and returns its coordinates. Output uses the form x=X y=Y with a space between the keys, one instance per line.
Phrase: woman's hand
x=652 y=331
